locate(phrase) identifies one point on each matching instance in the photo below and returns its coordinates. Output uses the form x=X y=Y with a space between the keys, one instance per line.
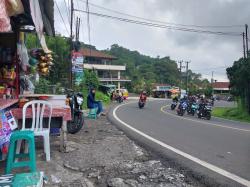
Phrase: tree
x=60 y=46
x=239 y=76
x=90 y=79
x=144 y=70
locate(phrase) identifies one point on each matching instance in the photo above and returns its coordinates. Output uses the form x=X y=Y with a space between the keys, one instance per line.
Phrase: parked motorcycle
x=205 y=112
x=75 y=100
x=173 y=105
x=182 y=108
x=192 y=108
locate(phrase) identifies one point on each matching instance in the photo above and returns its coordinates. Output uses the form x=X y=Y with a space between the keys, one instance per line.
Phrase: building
x=162 y=90
x=101 y=63
x=220 y=87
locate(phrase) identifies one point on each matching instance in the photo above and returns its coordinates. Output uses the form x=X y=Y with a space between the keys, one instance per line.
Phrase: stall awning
x=47 y=15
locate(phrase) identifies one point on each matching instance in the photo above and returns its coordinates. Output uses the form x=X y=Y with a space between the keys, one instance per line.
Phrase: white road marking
x=214 y=168
x=202 y=122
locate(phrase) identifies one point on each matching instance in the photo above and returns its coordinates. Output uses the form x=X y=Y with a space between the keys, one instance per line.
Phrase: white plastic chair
x=38 y=107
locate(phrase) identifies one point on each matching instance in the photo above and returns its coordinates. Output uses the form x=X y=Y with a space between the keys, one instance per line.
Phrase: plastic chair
x=16 y=136
x=92 y=113
x=38 y=108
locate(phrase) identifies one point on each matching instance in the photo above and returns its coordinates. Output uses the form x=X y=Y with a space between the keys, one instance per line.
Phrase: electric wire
x=163 y=22
x=214 y=68
x=159 y=25
x=62 y=18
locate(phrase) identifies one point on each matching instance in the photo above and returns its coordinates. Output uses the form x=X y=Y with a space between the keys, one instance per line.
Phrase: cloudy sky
x=206 y=52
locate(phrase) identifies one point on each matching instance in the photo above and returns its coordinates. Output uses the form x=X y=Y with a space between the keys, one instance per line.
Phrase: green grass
x=98 y=96
x=232 y=113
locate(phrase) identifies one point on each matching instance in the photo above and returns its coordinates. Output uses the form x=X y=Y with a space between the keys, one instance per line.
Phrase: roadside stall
x=16 y=18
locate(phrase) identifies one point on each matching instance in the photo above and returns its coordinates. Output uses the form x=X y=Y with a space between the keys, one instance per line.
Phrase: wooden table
x=5 y=103
x=57 y=111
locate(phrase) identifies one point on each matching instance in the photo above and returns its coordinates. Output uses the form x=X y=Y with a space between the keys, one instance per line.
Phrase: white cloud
x=204 y=51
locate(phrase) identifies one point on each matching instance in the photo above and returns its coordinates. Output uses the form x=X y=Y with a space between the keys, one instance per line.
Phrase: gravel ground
x=101 y=155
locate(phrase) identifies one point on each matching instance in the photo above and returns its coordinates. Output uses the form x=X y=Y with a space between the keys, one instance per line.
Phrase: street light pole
x=71 y=42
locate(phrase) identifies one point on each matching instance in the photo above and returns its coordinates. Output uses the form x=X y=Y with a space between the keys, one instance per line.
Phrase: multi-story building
x=101 y=63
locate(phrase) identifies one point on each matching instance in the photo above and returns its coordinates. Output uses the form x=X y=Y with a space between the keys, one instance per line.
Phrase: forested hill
x=145 y=70
x=142 y=70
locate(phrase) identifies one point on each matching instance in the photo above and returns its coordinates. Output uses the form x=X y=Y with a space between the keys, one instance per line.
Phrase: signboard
x=11 y=120
x=5 y=130
x=77 y=62
x=77 y=66
x=163 y=88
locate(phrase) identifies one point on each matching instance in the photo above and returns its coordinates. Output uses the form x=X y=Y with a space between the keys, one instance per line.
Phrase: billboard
x=77 y=67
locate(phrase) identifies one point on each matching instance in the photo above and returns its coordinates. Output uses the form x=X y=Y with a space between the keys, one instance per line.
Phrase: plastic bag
x=26 y=85
x=14 y=7
x=4 y=18
x=23 y=54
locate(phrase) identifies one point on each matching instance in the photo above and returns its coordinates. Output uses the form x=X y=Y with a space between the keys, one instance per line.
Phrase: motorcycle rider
x=182 y=100
x=175 y=99
x=202 y=103
x=143 y=96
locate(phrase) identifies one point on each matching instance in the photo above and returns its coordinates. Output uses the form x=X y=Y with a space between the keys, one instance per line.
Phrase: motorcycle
x=205 y=112
x=182 y=108
x=75 y=100
x=119 y=99
x=141 y=103
x=192 y=108
x=173 y=105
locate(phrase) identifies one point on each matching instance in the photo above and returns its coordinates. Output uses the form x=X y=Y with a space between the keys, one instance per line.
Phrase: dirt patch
x=101 y=155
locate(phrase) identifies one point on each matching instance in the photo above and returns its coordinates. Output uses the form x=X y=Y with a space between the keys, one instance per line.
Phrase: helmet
x=144 y=92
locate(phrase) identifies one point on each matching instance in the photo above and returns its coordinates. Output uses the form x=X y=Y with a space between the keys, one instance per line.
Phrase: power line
x=160 y=26
x=62 y=18
x=163 y=22
x=218 y=67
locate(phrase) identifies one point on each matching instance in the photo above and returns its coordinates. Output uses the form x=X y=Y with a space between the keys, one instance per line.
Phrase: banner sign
x=77 y=67
x=77 y=62
x=5 y=130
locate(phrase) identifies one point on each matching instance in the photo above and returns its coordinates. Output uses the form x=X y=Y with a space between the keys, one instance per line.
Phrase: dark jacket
x=91 y=100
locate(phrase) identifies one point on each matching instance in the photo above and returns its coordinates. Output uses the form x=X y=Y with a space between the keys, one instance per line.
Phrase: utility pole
x=212 y=81
x=71 y=42
x=244 y=47
x=246 y=26
x=76 y=28
x=187 y=62
x=79 y=25
x=180 y=62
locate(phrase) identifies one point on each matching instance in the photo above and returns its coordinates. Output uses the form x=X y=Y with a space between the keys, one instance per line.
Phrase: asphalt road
x=222 y=143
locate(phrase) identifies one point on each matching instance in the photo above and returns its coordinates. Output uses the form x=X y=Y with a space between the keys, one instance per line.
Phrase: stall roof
x=47 y=11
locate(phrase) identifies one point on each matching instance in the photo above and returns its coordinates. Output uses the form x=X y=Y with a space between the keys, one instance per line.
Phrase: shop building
x=220 y=87
x=101 y=63
x=162 y=90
